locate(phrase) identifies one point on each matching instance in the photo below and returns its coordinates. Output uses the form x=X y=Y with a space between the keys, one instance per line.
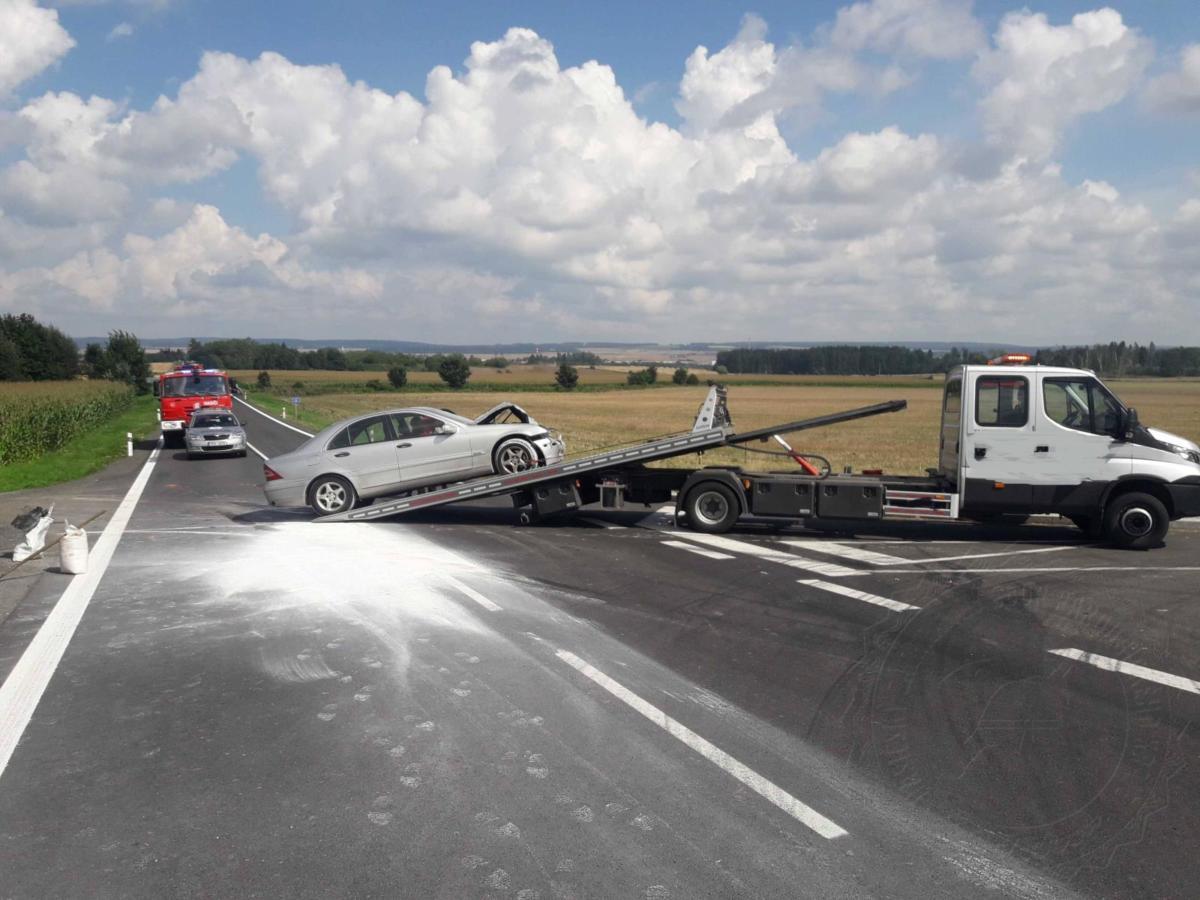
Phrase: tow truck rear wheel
x=711 y=508
x=331 y=494
x=1136 y=521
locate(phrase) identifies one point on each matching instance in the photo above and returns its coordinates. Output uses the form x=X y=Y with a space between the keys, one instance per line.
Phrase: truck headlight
x=1190 y=455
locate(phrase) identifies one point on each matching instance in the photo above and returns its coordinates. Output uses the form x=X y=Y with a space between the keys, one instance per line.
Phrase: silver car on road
x=214 y=431
x=397 y=450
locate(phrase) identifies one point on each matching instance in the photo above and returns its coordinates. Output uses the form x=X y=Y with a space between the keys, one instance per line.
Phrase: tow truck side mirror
x=1130 y=423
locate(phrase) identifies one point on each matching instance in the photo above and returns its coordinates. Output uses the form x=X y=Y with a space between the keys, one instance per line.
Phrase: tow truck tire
x=331 y=494
x=513 y=455
x=1136 y=521
x=711 y=508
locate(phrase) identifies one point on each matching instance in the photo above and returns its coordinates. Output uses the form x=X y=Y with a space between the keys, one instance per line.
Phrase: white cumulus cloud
x=30 y=40
x=1178 y=91
x=1043 y=77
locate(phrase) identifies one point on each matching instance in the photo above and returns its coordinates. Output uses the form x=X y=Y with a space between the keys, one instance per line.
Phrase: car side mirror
x=445 y=429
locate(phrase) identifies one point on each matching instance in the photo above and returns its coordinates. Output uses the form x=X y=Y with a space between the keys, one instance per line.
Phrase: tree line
x=1115 y=359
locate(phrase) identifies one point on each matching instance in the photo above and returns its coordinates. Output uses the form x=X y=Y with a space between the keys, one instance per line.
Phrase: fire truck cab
x=185 y=389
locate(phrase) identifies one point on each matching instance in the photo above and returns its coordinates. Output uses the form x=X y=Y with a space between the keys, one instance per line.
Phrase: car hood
x=489 y=417
x=1167 y=438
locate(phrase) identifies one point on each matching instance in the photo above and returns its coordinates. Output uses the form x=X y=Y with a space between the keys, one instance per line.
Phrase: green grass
x=86 y=453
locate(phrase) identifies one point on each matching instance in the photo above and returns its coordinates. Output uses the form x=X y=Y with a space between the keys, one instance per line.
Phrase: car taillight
x=271 y=474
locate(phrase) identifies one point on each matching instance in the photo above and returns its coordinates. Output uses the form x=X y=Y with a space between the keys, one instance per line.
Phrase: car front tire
x=331 y=494
x=513 y=455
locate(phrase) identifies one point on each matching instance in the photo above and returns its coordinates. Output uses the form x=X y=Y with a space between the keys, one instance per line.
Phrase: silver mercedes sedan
x=397 y=450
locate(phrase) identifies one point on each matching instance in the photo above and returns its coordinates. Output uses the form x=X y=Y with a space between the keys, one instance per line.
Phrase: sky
x=496 y=172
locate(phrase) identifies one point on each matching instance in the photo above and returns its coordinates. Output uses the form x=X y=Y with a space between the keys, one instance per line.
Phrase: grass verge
x=86 y=453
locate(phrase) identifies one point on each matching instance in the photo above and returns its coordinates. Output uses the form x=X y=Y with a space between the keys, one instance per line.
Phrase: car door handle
x=402 y=446
x=343 y=453
x=980 y=452
x=1042 y=448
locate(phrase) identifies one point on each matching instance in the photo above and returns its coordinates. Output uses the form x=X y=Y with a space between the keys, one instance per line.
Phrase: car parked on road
x=211 y=432
x=396 y=450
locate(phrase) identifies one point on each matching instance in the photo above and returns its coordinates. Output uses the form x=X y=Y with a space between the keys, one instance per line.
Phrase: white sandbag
x=73 y=551
x=35 y=540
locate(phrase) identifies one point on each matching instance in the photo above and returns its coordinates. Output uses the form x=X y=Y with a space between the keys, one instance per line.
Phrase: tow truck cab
x=1019 y=439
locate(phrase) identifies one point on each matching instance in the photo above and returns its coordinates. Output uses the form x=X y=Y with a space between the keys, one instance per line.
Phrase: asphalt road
x=453 y=706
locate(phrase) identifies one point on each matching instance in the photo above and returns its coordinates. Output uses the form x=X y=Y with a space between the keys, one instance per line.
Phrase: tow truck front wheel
x=1136 y=521
x=331 y=494
x=711 y=508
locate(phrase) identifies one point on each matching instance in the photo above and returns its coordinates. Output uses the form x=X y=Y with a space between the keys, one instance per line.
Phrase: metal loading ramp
x=713 y=429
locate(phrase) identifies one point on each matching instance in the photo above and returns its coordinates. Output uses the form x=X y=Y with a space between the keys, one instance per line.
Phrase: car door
x=998 y=446
x=365 y=451
x=430 y=450
x=1077 y=452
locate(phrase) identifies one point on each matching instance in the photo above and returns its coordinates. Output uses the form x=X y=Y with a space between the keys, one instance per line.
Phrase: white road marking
x=262 y=455
x=776 y=556
x=1018 y=570
x=894 y=605
x=470 y=592
x=186 y=531
x=23 y=689
x=769 y=790
x=1108 y=664
x=251 y=406
x=711 y=554
x=938 y=559
x=837 y=549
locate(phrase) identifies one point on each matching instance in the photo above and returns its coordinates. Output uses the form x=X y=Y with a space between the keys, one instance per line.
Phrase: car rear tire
x=513 y=455
x=331 y=494
x=1136 y=521
x=711 y=508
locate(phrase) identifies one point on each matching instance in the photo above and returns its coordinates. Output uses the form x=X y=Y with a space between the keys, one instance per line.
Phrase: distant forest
x=1114 y=359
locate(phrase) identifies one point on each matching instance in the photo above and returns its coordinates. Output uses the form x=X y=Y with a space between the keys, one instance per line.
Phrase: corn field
x=38 y=417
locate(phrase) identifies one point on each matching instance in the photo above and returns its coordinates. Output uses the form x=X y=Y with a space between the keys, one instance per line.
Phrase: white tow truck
x=1016 y=440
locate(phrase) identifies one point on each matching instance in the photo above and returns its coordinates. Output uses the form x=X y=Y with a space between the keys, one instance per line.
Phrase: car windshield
x=220 y=420
x=194 y=386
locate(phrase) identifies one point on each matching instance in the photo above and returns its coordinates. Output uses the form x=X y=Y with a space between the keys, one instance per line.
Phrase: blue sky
x=941 y=117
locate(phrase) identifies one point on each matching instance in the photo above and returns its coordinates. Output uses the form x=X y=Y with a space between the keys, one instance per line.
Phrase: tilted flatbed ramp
x=713 y=429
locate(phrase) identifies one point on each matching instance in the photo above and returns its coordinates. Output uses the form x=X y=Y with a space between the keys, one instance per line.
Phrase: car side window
x=1002 y=401
x=340 y=440
x=367 y=431
x=414 y=424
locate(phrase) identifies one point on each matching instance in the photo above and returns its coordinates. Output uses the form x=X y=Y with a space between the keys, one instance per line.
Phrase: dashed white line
x=894 y=605
x=1108 y=664
x=1016 y=570
x=471 y=592
x=251 y=406
x=730 y=545
x=700 y=551
x=23 y=689
x=836 y=549
x=799 y=810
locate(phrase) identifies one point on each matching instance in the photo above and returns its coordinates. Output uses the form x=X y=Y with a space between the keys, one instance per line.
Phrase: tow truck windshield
x=194 y=386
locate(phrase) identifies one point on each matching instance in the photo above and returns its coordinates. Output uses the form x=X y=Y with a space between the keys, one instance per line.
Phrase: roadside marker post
x=129 y=443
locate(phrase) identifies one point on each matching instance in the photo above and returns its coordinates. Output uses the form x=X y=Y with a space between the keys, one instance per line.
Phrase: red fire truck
x=185 y=389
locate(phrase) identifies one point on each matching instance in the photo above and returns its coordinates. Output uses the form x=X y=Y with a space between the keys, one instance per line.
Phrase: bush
x=297 y=387
x=264 y=380
x=375 y=384
x=496 y=362
x=398 y=376
x=566 y=376
x=455 y=371
x=648 y=375
x=721 y=370
x=692 y=379
x=680 y=376
x=40 y=418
